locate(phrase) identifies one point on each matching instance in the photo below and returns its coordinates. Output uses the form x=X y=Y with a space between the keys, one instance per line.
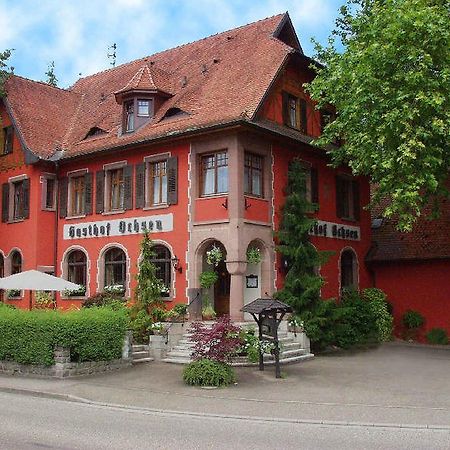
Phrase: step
x=138 y=355
x=176 y=360
x=139 y=347
x=142 y=360
x=179 y=354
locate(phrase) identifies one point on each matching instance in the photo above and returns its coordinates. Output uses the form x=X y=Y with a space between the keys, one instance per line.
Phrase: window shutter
x=63 y=188
x=356 y=200
x=43 y=181
x=303 y=117
x=339 y=197
x=99 y=191
x=88 y=193
x=172 y=180
x=285 y=106
x=128 y=187
x=5 y=202
x=26 y=198
x=314 y=185
x=140 y=186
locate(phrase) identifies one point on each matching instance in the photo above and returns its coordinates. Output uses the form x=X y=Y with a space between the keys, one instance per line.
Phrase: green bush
x=206 y=372
x=140 y=324
x=413 y=319
x=437 y=336
x=381 y=311
x=29 y=337
x=104 y=299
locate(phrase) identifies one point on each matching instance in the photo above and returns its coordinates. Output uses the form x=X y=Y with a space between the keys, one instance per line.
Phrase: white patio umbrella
x=34 y=280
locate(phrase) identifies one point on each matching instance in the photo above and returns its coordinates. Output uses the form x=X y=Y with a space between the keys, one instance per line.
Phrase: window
x=16 y=262
x=214 y=174
x=162 y=262
x=76 y=267
x=143 y=108
x=7 y=144
x=15 y=199
x=295 y=112
x=348 y=270
x=347 y=198
x=116 y=189
x=129 y=116
x=18 y=200
x=253 y=175
x=77 y=193
x=50 y=193
x=158 y=182
x=115 y=268
x=326 y=117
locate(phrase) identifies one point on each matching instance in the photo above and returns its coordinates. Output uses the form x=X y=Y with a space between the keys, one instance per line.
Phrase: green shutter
x=26 y=198
x=88 y=193
x=128 y=187
x=99 y=191
x=140 y=186
x=63 y=188
x=303 y=116
x=5 y=202
x=285 y=99
x=172 y=180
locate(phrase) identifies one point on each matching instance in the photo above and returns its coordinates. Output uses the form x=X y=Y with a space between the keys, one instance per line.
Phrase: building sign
x=251 y=281
x=335 y=230
x=119 y=227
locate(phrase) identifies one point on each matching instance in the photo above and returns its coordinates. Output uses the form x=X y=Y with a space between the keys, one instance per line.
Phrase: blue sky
x=76 y=33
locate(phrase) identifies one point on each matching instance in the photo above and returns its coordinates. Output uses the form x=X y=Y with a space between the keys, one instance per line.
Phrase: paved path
x=393 y=385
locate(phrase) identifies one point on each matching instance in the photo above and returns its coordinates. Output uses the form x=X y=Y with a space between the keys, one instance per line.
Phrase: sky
x=76 y=34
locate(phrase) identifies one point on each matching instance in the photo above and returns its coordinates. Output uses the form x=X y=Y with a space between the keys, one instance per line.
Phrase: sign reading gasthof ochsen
x=335 y=230
x=119 y=227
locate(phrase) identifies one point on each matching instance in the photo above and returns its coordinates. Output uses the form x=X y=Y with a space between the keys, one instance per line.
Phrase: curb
x=163 y=412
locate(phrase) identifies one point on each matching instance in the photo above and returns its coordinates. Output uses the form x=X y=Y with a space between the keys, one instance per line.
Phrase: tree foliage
x=50 y=74
x=5 y=70
x=391 y=88
x=302 y=284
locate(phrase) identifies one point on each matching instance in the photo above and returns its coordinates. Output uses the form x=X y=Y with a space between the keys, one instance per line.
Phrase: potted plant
x=44 y=299
x=115 y=289
x=214 y=256
x=80 y=292
x=208 y=312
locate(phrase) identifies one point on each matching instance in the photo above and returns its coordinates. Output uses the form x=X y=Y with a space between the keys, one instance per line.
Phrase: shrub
x=206 y=372
x=208 y=278
x=412 y=319
x=141 y=326
x=218 y=342
x=437 y=336
x=103 y=299
x=29 y=337
x=44 y=299
x=380 y=309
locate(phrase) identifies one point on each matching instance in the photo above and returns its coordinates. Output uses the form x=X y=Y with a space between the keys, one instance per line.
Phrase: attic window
x=94 y=131
x=129 y=116
x=172 y=112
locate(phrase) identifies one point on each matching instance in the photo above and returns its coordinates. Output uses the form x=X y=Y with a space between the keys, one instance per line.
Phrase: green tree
x=51 y=77
x=5 y=70
x=391 y=88
x=302 y=283
x=149 y=286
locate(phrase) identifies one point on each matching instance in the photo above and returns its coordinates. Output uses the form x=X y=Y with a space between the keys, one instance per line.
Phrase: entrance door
x=222 y=290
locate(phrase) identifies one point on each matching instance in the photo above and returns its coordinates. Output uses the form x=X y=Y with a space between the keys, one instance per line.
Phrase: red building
x=414 y=268
x=192 y=143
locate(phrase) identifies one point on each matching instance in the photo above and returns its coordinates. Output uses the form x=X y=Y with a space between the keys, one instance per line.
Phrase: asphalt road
x=28 y=422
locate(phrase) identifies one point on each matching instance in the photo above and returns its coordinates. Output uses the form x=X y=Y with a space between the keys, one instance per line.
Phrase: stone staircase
x=292 y=351
x=140 y=354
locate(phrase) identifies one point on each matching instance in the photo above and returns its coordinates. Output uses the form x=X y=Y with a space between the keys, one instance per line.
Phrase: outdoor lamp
x=176 y=264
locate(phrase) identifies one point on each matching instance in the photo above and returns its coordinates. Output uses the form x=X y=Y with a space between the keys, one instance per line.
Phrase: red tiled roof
x=429 y=239
x=216 y=80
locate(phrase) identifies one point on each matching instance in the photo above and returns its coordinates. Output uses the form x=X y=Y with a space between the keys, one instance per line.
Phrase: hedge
x=29 y=337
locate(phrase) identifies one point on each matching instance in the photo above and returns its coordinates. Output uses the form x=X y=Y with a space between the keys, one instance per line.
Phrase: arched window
x=16 y=263
x=162 y=261
x=348 y=269
x=115 y=269
x=77 y=267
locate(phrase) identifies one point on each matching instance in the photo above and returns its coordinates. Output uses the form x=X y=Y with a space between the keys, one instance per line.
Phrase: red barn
x=192 y=143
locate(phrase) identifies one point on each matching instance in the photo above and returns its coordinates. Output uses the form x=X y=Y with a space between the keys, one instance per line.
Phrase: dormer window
x=129 y=116
x=144 y=108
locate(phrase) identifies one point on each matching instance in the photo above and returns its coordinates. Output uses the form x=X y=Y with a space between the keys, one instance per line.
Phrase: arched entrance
x=219 y=294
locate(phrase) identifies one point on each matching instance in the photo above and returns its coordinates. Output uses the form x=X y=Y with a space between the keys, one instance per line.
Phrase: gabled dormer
x=141 y=98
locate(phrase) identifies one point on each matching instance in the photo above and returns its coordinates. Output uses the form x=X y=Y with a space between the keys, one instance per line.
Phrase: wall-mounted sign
x=251 y=281
x=335 y=230
x=119 y=227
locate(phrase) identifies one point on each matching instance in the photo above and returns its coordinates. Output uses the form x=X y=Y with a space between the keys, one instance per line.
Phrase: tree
x=302 y=284
x=149 y=286
x=391 y=89
x=51 y=77
x=5 y=71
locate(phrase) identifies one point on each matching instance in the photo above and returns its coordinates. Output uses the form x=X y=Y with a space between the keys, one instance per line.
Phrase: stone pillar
x=157 y=347
x=127 y=344
x=237 y=270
